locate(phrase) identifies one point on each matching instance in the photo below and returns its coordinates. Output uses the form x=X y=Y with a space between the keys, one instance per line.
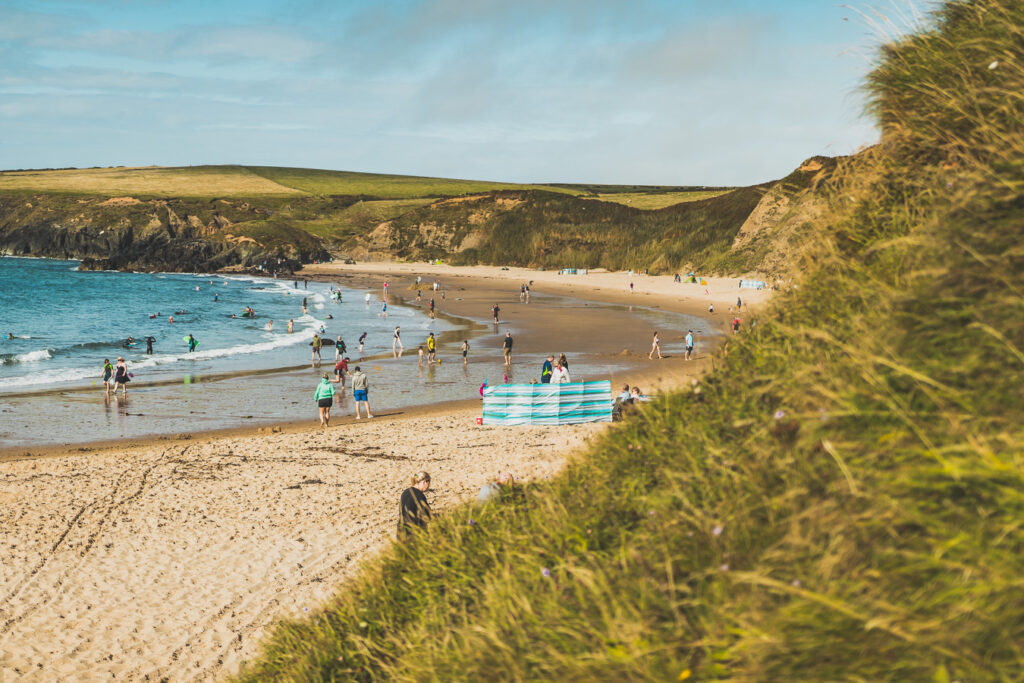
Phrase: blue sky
x=694 y=92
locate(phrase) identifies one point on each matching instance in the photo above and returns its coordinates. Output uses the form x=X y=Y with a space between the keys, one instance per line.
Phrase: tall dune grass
x=841 y=499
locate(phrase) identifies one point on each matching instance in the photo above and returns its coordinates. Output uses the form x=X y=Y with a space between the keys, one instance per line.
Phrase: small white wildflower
x=717 y=531
x=779 y=414
x=992 y=66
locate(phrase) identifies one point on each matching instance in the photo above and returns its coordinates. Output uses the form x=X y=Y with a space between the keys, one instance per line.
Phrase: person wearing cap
x=413 y=509
x=324 y=398
x=361 y=390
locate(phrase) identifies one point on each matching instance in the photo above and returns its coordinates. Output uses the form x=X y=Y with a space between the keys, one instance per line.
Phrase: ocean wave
x=29 y=357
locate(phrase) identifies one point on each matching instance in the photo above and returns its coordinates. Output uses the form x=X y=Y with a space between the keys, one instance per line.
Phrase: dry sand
x=172 y=559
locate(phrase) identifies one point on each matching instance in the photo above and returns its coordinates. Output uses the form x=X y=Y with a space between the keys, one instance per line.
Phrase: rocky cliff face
x=126 y=233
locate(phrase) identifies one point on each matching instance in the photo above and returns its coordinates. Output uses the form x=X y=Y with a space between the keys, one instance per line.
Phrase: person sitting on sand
x=624 y=396
x=638 y=396
x=324 y=398
x=413 y=510
x=492 y=490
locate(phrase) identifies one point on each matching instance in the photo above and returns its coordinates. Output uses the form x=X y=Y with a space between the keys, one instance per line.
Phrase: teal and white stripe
x=548 y=404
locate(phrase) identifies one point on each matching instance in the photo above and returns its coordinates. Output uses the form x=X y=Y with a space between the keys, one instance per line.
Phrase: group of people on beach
x=656 y=346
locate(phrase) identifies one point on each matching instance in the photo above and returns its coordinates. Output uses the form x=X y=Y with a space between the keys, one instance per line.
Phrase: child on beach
x=362 y=340
x=108 y=372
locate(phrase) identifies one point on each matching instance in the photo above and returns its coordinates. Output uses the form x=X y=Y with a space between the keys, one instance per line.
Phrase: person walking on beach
x=546 y=370
x=431 y=305
x=420 y=351
x=108 y=373
x=413 y=510
x=192 y=343
x=522 y=292
x=121 y=377
x=465 y=350
x=506 y=348
x=431 y=348
x=655 y=346
x=396 y=345
x=317 y=345
x=324 y=398
x=495 y=311
x=361 y=391
x=339 y=348
x=689 y=345
x=528 y=293
x=362 y=342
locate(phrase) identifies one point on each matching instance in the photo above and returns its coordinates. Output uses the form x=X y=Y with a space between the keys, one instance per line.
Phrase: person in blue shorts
x=361 y=390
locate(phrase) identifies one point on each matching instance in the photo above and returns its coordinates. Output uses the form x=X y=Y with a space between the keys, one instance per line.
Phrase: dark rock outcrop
x=125 y=233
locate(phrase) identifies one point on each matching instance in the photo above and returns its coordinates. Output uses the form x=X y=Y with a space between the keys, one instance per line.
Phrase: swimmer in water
x=291 y=325
x=170 y=318
x=270 y=326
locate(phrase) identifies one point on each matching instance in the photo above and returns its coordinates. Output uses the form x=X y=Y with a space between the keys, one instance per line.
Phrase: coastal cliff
x=127 y=233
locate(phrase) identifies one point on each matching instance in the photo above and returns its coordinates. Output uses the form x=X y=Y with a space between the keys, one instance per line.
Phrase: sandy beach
x=170 y=559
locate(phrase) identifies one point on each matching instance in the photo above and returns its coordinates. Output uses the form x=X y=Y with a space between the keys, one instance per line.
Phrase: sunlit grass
x=841 y=499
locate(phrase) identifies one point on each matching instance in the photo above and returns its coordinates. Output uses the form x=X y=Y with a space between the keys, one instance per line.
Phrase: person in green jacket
x=324 y=398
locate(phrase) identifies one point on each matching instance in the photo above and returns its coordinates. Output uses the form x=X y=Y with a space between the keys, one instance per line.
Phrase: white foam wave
x=33 y=356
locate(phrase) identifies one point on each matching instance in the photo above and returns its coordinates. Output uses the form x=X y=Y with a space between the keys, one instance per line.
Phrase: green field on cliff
x=840 y=499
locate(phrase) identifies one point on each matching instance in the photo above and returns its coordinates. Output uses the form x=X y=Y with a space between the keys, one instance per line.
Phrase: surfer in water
x=192 y=343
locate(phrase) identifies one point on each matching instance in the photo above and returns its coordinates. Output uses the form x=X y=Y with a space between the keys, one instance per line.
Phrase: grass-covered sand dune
x=841 y=499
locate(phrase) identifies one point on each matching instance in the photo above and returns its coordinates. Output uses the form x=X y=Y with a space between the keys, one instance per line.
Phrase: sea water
x=58 y=323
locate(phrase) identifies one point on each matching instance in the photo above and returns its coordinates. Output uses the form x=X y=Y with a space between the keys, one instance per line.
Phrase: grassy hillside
x=146 y=182
x=841 y=499
x=244 y=182
x=381 y=186
x=543 y=229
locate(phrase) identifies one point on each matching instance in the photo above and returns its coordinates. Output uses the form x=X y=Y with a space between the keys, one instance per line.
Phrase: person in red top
x=735 y=325
x=340 y=370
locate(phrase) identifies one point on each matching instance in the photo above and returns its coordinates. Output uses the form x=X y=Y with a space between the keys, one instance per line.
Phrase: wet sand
x=171 y=557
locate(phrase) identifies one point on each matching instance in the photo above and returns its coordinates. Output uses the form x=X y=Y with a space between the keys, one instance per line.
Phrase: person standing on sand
x=506 y=348
x=655 y=346
x=522 y=292
x=396 y=345
x=108 y=373
x=431 y=307
x=361 y=391
x=317 y=345
x=527 y=293
x=630 y=287
x=324 y=398
x=362 y=342
x=689 y=345
x=413 y=510
x=121 y=377
x=465 y=350
x=420 y=351
x=495 y=311
x=547 y=369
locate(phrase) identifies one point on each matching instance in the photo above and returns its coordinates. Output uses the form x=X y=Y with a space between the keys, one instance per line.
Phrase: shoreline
x=545 y=325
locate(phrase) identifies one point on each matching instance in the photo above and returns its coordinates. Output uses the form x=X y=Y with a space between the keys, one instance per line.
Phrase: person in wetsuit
x=149 y=345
